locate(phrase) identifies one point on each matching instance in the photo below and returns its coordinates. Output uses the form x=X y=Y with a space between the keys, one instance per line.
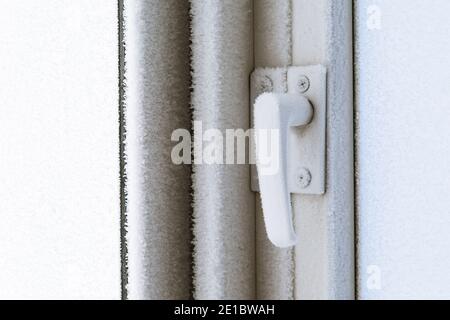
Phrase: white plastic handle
x=274 y=115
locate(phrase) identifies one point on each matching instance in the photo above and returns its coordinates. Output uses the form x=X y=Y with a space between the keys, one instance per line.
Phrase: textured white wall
x=59 y=162
x=403 y=105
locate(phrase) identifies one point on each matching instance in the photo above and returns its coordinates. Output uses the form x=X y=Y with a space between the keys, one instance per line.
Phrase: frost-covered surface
x=224 y=223
x=158 y=191
x=59 y=162
x=403 y=104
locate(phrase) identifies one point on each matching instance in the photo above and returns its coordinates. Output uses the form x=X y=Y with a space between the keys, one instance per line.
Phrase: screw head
x=265 y=85
x=303 y=84
x=304 y=178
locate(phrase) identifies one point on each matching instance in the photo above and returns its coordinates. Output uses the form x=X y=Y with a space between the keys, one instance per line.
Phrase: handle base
x=307 y=154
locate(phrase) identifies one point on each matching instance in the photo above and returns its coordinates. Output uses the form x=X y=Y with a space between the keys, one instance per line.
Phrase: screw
x=303 y=83
x=265 y=85
x=304 y=178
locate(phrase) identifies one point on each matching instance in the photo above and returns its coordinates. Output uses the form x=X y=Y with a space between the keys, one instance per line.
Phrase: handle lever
x=274 y=115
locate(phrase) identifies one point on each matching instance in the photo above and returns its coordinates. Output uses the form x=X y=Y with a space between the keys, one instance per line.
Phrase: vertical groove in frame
x=122 y=134
x=273 y=48
x=255 y=238
x=355 y=148
x=222 y=53
x=290 y=31
x=156 y=104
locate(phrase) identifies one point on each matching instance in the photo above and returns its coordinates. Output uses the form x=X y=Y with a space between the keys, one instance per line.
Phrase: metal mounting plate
x=307 y=145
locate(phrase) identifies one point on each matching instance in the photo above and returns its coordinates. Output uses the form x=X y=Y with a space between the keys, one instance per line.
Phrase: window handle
x=274 y=116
